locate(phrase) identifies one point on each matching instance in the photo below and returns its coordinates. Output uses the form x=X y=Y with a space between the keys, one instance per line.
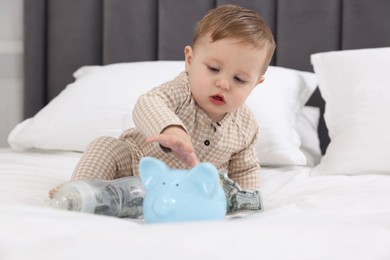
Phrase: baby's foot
x=53 y=192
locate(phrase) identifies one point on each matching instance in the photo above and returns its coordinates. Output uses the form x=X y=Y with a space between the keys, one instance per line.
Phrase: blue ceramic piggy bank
x=181 y=195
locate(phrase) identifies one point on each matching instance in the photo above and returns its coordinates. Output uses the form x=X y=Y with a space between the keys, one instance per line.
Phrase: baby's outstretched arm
x=179 y=142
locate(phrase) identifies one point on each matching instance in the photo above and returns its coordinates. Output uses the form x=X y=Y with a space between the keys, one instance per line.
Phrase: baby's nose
x=223 y=83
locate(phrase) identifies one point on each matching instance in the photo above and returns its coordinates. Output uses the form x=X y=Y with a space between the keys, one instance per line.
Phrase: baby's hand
x=176 y=139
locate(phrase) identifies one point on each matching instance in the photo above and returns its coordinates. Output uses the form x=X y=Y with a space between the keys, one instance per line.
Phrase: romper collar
x=226 y=119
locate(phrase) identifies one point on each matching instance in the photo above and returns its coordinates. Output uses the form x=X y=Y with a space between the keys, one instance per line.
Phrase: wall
x=11 y=66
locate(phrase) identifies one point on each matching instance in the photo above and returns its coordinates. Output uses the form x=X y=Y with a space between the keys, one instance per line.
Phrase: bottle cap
x=75 y=196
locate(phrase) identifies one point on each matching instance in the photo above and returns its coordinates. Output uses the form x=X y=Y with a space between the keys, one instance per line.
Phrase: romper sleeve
x=156 y=109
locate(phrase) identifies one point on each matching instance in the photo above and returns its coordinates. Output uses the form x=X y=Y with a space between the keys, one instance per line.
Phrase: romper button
x=207 y=142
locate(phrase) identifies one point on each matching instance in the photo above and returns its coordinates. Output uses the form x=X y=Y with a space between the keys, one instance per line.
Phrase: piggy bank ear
x=151 y=170
x=205 y=176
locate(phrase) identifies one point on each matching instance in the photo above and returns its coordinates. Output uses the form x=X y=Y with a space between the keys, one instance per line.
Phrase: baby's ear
x=151 y=170
x=188 y=54
x=260 y=80
x=205 y=177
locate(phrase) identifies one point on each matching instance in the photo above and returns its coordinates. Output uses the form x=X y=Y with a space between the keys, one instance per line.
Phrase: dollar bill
x=239 y=200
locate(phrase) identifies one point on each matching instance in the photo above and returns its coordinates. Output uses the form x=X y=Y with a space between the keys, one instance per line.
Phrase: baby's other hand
x=176 y=139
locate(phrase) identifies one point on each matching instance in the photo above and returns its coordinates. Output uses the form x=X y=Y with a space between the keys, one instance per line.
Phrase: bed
x=323 y=115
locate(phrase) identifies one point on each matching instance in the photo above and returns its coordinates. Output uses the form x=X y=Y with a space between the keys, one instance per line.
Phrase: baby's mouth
x=218 y=100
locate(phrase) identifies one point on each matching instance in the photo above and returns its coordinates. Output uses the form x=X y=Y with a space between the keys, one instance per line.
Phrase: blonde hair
x=231 y=21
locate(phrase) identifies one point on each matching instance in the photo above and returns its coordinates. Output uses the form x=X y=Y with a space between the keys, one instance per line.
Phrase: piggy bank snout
x=163 y=205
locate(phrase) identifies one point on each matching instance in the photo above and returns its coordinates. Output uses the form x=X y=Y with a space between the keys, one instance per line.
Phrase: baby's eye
x=239 y=80
x=213 y=69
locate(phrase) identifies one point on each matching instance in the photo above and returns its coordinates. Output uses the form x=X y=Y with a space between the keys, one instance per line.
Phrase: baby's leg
x=105 y=158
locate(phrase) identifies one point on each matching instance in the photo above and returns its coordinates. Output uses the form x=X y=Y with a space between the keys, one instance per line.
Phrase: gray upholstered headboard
x=62 y=35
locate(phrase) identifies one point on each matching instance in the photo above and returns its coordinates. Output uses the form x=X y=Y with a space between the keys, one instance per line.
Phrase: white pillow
x=356 y=88
x=100 y=101
x=277 y=103
x=307 y=128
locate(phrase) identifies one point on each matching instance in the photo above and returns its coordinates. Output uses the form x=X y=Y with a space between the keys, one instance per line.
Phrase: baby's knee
x=112 y=146
x=103 y=142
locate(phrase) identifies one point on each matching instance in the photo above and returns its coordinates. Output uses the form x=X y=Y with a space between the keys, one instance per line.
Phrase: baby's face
x=223 y=73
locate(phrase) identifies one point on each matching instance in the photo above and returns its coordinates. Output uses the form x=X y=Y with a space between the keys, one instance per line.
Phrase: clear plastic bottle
x=121 y=197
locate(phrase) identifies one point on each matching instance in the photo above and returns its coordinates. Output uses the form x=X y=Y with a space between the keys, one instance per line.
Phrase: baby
x=200 y=115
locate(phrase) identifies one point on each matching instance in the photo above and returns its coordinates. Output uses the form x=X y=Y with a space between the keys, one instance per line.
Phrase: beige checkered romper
x=228 y=144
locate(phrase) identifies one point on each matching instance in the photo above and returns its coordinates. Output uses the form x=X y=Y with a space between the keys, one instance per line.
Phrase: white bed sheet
x=329 y=217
